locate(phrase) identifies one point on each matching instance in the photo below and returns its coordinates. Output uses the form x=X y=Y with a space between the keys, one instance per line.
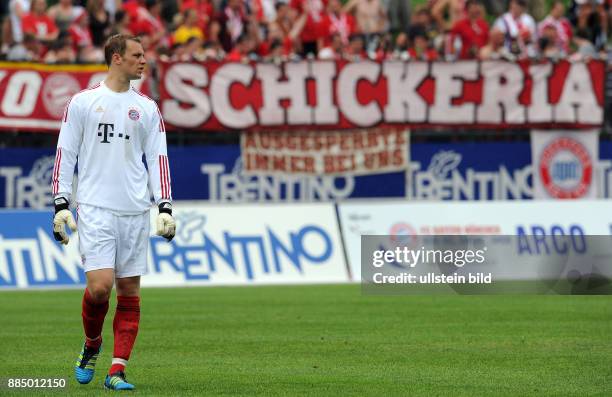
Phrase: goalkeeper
x=109 y=128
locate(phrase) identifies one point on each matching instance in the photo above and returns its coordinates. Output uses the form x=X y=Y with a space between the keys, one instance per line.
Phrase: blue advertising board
x=215 y=173
x=30 y=257
x=214 y=245
x=470 y=171
x=438 y=171
x=25 y=177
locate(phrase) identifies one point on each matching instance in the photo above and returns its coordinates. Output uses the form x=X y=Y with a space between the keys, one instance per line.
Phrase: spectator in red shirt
x=315 y=10
x=472 y=31
x=79 y=32
x=150 y=24
x=134 y=8
x=82 y=42
x=336 y=21
x=38 y=23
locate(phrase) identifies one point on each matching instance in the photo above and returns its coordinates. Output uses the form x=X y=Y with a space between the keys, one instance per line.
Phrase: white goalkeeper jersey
x=109 y=132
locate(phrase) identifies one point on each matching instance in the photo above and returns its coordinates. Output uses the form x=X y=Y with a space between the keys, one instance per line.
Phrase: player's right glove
x=166 y=226
x=62 y=217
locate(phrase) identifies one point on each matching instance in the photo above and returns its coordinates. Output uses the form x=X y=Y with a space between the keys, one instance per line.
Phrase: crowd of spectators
x=67 y=31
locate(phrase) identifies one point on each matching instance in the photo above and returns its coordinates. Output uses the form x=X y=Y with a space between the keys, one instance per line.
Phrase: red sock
x=93 y=318
x=125 y=327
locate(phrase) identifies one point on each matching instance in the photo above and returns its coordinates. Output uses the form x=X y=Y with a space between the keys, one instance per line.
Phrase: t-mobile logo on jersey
x=106 y=130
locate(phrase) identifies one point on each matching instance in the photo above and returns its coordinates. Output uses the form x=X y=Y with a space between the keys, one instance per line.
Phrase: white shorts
x=110 y=241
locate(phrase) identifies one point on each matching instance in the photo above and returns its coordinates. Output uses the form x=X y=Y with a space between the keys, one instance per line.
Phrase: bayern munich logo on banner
x=566 y=169
x=58 y=88
x=133 y=114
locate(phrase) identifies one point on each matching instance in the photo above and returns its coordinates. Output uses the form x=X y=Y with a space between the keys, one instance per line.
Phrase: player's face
x=133 y=62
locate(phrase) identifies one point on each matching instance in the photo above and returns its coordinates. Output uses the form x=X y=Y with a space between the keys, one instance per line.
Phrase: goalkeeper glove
x=166 y=227
x=62 y=217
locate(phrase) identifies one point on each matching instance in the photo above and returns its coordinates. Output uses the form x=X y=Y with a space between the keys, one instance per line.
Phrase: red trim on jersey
x=162 y=126
x=66 y=110
x=97 y=85
x=93 y=87
x=161 y=177
x=167 y=177
x=56 y=171
x=165 y=162
x=142 y=95
x=164 y=176
x=70 y=100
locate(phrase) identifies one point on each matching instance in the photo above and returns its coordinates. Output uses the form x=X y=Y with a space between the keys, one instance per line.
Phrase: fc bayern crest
x=57 y=90
x=403 y=234
x=133 y=114
x=566 y=169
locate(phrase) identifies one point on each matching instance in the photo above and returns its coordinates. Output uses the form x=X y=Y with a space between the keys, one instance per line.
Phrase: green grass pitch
x=323 y=340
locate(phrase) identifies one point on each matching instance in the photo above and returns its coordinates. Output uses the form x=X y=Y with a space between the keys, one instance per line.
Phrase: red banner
x=335 y=95
x=330 y=95
x=328 y=152
x=33 y=96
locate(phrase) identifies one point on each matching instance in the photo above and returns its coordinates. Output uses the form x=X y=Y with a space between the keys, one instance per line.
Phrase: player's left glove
x=62 y=217
x=166 y=226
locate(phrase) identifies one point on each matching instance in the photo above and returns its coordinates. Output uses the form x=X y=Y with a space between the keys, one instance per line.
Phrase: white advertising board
x=525 y=218
x=214 y=245
x=249 y=244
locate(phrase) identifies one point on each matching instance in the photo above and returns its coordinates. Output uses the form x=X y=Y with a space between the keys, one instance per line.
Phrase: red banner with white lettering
x=340 y=95
x=330 y=95
x=33 y=96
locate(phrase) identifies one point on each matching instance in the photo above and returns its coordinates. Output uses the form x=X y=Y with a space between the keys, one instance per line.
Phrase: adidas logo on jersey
x=99 y=109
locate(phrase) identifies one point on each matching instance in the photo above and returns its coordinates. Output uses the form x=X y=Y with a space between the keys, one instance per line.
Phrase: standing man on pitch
x=109 y=127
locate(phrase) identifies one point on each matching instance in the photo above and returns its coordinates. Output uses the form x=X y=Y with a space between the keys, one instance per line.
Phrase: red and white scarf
x=340 y=26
